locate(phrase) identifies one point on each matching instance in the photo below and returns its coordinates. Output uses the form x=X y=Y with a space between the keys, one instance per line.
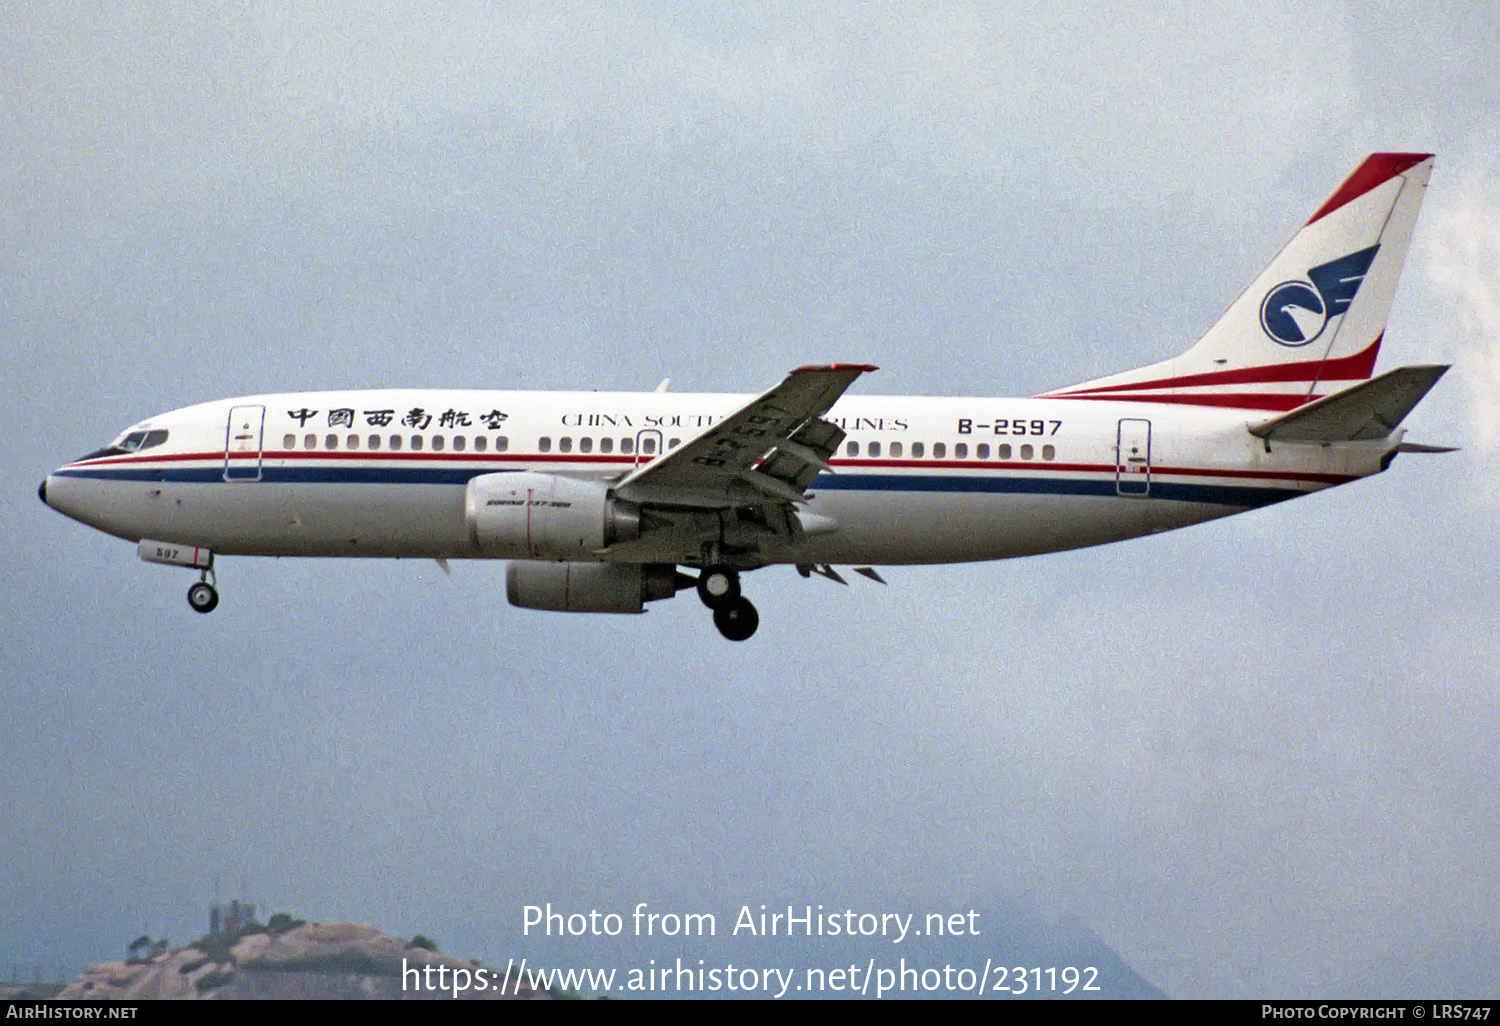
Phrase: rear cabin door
x=242 y=443
x=1133 y=458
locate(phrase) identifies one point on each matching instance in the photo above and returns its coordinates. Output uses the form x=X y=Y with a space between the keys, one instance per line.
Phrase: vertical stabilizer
x=1311 y=323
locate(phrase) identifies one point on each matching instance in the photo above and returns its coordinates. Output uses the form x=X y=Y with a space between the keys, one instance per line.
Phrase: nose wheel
x=203 y=596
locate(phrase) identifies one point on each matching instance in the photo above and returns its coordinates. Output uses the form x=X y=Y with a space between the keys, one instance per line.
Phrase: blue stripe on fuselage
x=1002 y=484
x=1212 y=494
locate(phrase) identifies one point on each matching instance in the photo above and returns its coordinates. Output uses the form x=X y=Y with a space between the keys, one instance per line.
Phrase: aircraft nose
x=41 y=491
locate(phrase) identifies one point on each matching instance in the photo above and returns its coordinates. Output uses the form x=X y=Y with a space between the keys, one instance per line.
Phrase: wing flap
x=800 y=458
x=1366 y=412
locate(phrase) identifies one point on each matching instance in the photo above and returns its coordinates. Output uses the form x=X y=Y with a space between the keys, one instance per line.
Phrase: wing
x=767 y=451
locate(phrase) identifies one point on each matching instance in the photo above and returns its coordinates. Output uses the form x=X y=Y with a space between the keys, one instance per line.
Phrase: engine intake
x=542 y=516
x=590 y=587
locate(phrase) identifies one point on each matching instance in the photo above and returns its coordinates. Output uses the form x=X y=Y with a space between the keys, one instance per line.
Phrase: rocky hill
x=308 y=960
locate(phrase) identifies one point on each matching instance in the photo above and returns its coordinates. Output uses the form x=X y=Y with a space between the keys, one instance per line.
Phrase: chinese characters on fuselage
x=421 y=419
x=416 y=417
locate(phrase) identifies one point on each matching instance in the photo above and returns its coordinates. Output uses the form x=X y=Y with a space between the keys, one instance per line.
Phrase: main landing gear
x=203 y=596
x=734 y=615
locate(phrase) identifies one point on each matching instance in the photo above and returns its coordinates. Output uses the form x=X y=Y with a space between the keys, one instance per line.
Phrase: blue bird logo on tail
x=1296 y=312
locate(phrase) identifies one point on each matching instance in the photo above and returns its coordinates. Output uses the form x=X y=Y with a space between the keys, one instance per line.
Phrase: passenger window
x=289 y=442
x=917 y=450
x=373 y=442
x=627 y=446
x=459 y=443
x=895 y=449
x=502 y=443
x=648 y=446
x=982 y=450
x=1005 y=451
x=352 y=442
x=438 y=441
x=674 y=443
x=395 y=442
x=585 y=445
x=480 y=443
x=330 y=441
x=606 y=445
x=416 y=443
x=544 y=444
x=961 y=450
x=939 y=450
x=1049 y=452
x=1027 y=451
x=309 y=441
x=565 y=444
x=852 y=449
x=874 y=448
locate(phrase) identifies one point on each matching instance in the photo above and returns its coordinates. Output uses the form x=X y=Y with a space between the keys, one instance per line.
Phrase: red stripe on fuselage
x=852 y=463
x=1089 y=468
x=368 y=454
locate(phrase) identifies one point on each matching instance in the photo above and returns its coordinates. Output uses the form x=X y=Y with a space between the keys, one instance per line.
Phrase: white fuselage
x=917 y=480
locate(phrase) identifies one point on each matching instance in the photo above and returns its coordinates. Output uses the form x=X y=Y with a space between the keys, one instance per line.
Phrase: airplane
x=604 y=502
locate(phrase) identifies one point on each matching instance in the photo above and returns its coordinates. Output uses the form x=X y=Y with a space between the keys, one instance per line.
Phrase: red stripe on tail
x=1377 y=169
x=1274 y=401
x=1343 y=368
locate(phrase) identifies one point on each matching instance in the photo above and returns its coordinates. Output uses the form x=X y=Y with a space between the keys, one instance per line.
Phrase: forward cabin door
x=1133 y=458
x=242 y=443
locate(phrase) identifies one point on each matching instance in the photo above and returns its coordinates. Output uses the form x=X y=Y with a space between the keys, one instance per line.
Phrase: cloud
x=1464 y=266
x=1230 y=782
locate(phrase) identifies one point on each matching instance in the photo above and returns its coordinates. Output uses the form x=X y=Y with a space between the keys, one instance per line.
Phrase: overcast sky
x=1256 y=757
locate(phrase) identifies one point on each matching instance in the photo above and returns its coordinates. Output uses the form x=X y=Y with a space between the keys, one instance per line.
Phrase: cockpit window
x=136 y=441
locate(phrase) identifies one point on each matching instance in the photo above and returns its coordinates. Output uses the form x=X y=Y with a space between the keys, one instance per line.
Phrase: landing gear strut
x=719 y=588
x=203 y=596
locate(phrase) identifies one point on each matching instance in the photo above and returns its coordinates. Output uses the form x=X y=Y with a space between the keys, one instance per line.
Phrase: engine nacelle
x=543 y=516
x=589 y=587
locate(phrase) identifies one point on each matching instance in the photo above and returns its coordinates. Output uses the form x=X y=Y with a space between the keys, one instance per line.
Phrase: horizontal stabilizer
x=1366 y=412
x=1421 y=447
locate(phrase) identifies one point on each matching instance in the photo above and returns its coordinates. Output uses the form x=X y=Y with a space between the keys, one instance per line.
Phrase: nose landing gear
x=203 y=596
x=734 y=615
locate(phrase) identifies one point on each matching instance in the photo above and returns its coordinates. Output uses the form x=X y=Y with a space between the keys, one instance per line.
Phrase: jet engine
x=590 y=587
x=544 y=516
